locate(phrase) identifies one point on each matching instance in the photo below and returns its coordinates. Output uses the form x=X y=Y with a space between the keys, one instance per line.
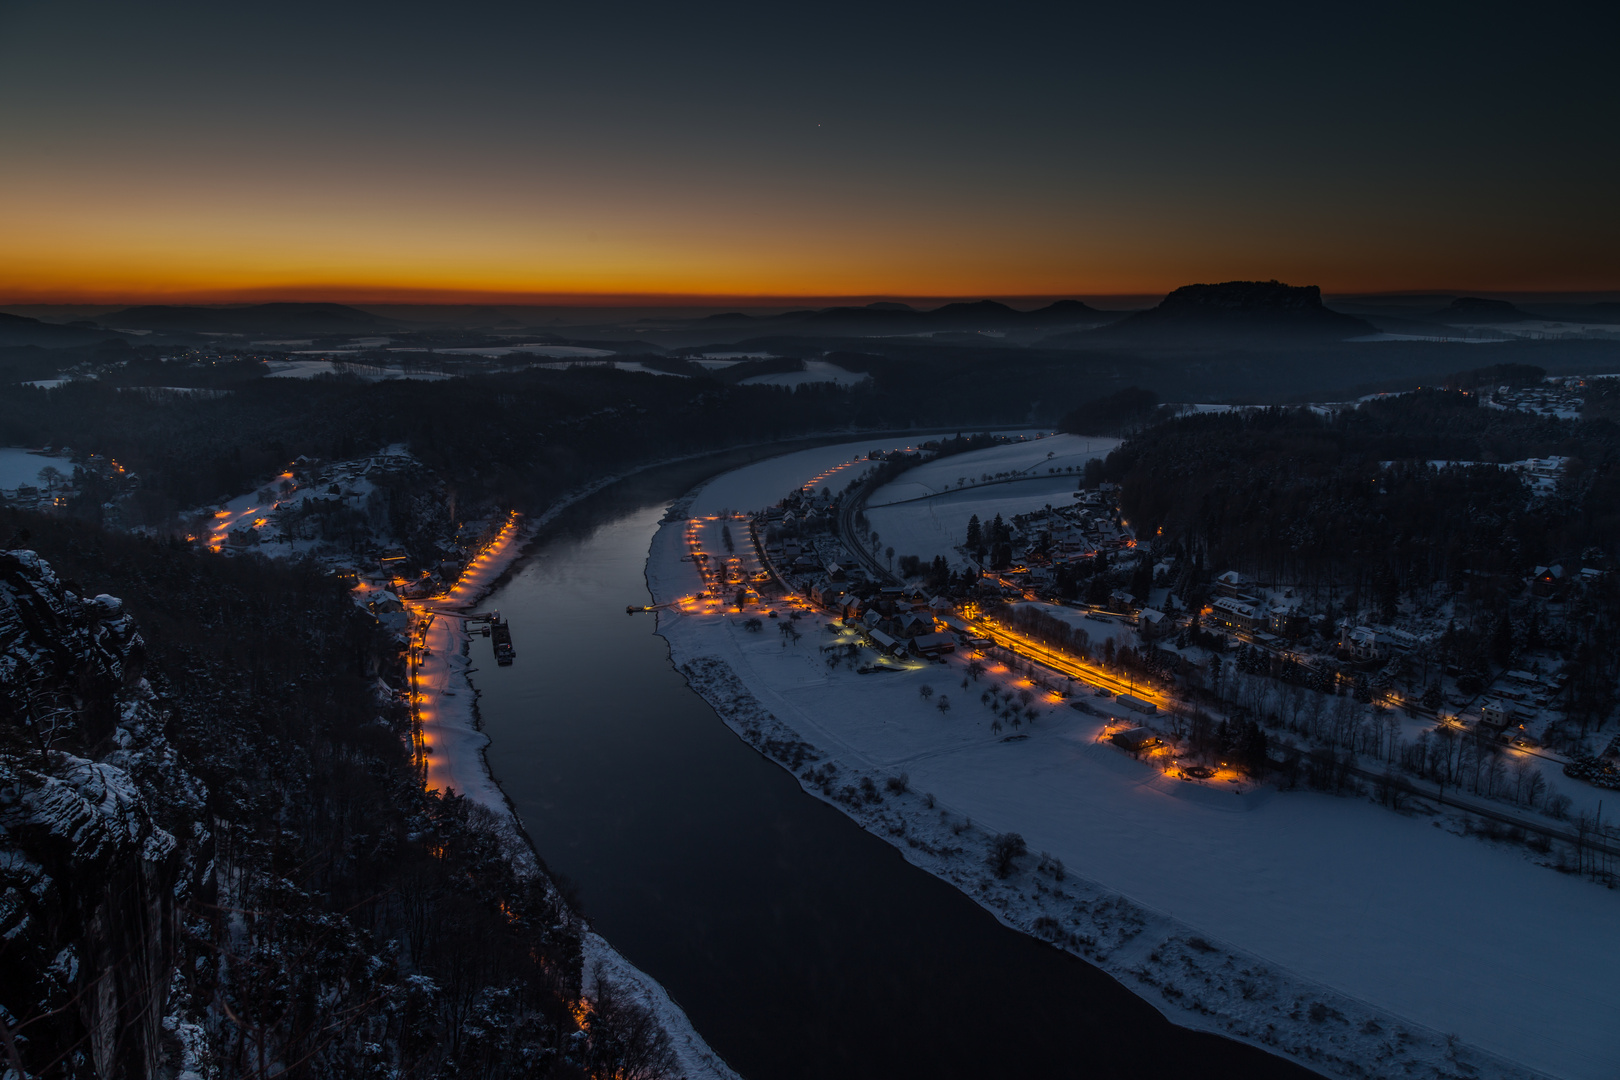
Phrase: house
x=939 y=605
x=933 y=644
x=1547 y=580
x=884 y=643
x=1495 y=713
x=851 y=607
x=1233 y=614
x=824 y=592
x=836 y=572
x=1232 y=584
x=911 y=624
x=1362 y=643
x=1288 y=623
x=872 y=619
x=1152 y=624
x=1136 y=739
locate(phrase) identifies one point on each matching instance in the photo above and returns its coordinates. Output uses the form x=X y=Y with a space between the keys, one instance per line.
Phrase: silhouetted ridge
x=1478 y=309
x=279 y=318
x=21 y=330
x=1236 y=310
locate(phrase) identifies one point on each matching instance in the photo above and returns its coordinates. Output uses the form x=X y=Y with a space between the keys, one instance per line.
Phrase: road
x=846 y=532
x=1062 y=663
x=1027 y=647
x=974 y=487
x=1030 y=649
x=1473 y=806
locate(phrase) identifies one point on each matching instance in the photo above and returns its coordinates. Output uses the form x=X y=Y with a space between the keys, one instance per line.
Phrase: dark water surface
x=799 y=945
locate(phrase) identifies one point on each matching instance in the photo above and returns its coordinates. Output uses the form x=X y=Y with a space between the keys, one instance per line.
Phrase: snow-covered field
x=1358 y=940
x=911 y=516
x=1029 y=457
x=726 y=357
x=815 y=371
x=560 y=351
x=936 y=526
x=622 y=365
x=308 y=369
x=20 y=466
x=1462 y=337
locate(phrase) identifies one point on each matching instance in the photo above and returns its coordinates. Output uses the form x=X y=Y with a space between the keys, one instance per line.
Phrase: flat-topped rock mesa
x=1473 y=310
x=1231 y=312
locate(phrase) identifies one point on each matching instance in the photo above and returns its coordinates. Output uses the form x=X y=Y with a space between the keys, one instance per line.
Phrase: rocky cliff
x=101 y=833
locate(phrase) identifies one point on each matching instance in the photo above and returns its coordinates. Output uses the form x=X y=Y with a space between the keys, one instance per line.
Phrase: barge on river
x=500 y=634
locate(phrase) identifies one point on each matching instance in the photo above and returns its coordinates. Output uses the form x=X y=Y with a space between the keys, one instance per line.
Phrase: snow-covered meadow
x=1358 y=940
x=308 y=369
x=925 y=512
x=1033 y=456
x=815 y=371
x=19 y=466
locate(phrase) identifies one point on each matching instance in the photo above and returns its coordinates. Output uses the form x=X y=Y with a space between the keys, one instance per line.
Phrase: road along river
x=798 y=944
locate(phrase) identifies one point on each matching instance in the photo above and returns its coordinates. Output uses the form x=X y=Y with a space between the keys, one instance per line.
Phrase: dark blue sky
x=195 y=149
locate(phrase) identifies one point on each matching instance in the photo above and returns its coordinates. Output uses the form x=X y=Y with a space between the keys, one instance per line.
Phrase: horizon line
x=363 y=297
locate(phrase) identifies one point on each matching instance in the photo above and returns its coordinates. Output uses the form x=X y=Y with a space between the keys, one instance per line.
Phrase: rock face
x=101 y=829
x=1247 y=311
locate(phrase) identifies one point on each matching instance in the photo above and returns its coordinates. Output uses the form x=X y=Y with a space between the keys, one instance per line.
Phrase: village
x=941 y=703
x=1070 y=608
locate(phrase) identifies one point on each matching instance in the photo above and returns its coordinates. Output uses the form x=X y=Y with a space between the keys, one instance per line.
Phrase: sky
x=406 y=151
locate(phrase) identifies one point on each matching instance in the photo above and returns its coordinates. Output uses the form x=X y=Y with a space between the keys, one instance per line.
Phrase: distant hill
x=18 y=330
x=1604 y=311
x=1472 y=310
x=1232 y=312
x=251 y=319
x=889 y=318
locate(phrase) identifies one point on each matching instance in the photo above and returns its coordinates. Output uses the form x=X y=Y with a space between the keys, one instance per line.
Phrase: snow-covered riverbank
x=457 y=760
x=1358 y=941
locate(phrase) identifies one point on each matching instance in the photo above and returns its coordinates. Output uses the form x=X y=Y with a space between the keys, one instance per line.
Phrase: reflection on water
x=799 y=945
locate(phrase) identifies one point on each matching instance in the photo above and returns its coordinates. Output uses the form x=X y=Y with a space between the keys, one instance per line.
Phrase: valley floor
x=1357 y=940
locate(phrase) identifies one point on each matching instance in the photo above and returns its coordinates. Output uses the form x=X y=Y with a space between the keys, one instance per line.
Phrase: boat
x=501 y=637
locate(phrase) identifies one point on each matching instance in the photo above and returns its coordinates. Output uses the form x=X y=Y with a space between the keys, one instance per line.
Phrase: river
x=799 y=945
